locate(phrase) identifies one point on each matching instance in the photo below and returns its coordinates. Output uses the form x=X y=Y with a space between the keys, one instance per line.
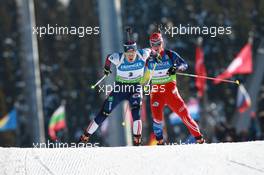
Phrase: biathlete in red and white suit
x=165 y=91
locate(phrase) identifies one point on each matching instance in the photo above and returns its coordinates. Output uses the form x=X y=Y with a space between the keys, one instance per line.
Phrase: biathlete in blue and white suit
x=130 y=67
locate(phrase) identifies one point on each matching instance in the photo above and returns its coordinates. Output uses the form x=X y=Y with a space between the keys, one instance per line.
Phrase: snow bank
x=222 y=158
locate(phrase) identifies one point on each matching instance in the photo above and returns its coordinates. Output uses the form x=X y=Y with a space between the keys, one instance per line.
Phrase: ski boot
x=137 y=140
x=200 y=139
x=160 y=142
x=84 y=137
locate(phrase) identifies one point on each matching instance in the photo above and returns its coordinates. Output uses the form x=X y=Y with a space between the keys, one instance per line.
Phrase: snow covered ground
x=222 y=158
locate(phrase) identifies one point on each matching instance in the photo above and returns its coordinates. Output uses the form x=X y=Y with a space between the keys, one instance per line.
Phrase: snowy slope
x=223 y=158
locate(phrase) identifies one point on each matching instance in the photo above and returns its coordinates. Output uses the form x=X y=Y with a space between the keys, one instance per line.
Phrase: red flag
x=243 y=99
x=242 y=64
x=200 y=70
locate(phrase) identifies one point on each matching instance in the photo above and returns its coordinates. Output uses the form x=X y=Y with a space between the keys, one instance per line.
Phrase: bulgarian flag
x=57 y=122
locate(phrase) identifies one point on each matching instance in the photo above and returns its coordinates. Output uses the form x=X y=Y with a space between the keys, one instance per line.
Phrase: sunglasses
x=130 y=51
x=130 y=47
x=155 y=44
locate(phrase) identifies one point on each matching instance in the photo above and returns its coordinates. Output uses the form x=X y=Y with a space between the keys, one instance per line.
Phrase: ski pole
x=98 y=82
x=152 y=73
x=209 y=78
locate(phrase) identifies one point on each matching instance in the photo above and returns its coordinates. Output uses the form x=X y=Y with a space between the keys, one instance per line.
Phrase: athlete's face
x=130 y=55
x=157 y=46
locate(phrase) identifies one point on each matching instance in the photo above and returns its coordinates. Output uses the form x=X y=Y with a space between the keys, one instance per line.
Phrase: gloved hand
x=174 y=68
x=107 y=71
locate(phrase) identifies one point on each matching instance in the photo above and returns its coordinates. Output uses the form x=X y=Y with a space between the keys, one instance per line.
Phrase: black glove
x=107 y=71
x=172 y=70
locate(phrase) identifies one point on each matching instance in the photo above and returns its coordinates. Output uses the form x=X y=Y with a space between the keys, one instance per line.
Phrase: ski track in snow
x=222 y=158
